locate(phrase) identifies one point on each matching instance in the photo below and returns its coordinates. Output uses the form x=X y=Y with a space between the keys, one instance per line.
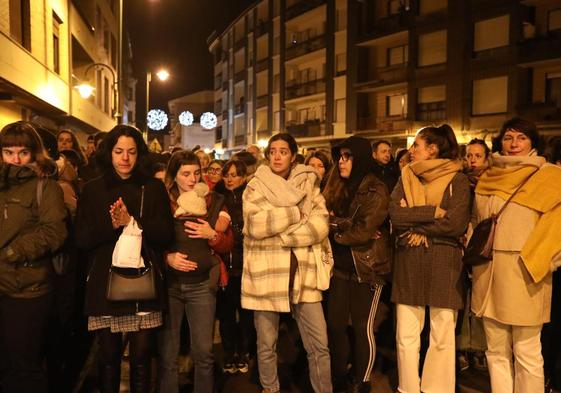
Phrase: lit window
x=491 y=33
x=432 y=48
x=490 y=95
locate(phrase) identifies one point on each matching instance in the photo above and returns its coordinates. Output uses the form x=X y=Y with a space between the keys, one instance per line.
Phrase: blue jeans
x=198 y=303
x=313 y=330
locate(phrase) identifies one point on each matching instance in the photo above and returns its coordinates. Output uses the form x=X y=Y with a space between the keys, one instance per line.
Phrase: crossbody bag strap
x=513 y=194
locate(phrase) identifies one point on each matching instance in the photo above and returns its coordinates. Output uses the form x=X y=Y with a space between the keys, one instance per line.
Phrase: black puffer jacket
x=96 y=236
x=233 y=201
x=29 y=231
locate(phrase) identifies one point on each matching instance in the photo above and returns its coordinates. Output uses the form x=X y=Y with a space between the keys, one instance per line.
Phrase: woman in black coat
x=106 y=206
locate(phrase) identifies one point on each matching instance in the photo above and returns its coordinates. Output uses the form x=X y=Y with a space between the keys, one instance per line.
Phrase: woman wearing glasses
x=358 y=205
x=236 y=335
x=285 y=217
x=213 y=173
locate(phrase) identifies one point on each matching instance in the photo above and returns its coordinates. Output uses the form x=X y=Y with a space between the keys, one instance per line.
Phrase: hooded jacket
x=365 y=209
x=29 y=231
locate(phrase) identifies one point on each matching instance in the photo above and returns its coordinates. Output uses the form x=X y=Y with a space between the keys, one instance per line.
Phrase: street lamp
x=162 y=75
x=86 y=90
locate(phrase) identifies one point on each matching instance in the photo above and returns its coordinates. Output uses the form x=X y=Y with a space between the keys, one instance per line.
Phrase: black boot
x=360 y=387
x=109 y=378
x=140 y=378
x=340 y=384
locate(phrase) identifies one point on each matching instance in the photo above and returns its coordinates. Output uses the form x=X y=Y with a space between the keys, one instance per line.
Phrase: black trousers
x=551 y=335
x=359 y=301
x=23 y=325
x=236 y=334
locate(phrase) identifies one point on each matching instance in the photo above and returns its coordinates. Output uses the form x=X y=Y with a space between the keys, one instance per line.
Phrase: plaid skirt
x=126 y=323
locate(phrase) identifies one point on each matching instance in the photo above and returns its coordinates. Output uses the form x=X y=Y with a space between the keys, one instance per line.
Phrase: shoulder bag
x=140 y=286
x=480 y=246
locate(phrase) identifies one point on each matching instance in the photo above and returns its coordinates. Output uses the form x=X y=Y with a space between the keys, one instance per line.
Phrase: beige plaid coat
x=279 y=216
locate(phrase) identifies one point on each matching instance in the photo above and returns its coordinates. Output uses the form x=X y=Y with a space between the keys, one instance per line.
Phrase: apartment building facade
x=47 y=46
x=325 y=69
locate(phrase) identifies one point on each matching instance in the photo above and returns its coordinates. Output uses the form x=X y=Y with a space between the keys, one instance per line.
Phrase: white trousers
x=504 y=341
x=439 y=369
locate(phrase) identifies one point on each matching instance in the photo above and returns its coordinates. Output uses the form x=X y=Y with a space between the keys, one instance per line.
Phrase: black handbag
x=140 y=286
x=480 y=246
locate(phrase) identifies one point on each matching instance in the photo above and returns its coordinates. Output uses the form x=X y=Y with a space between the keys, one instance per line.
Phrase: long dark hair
x=327 y=162
x=179 y=158
x=340 y=192
x=75 y=144
x=24 y=134
x=104 y=157
x=444 y=139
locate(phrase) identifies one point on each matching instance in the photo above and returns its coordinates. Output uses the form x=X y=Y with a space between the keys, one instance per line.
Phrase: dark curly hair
x=104 y=157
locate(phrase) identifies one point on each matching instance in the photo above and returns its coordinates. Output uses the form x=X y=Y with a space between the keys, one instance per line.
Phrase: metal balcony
x=305 y=89
x=309 y=128
x=305 y=47
x=302 y=7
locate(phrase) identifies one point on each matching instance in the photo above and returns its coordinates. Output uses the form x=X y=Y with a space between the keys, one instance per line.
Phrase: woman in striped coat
x=284 y=219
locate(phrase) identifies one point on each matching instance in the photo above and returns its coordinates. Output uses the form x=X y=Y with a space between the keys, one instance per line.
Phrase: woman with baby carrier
x=201 y=229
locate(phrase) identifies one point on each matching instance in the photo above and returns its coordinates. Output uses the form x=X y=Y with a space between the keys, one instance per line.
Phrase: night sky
x=172 y=34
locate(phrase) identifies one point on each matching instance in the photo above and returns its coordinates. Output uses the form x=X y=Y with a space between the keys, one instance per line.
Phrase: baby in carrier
x=192 y=205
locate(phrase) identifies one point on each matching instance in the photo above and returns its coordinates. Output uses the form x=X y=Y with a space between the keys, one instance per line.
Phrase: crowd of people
x=324 y=237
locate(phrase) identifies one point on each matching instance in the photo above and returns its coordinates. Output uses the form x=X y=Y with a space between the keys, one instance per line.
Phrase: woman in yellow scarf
x=430 y=210
x=513 y=292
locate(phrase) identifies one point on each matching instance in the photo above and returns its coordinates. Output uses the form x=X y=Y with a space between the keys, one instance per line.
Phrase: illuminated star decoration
x=186 y=118
x=208 y=120
x=157 y=119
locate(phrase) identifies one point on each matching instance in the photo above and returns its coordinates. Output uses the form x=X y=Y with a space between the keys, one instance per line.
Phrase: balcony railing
x=384 y=75
x=239 y=44
x=239 y=76
x=305 y=89
x=302 y=7
x=541 y=111
x=217 y=82
x=307 y=129
x=240 y=140
x=302 y=48
x=262 y=101
x=262 y=28
x=431 y=111
x=239 y=109
x=262 y=65
x=541 y=48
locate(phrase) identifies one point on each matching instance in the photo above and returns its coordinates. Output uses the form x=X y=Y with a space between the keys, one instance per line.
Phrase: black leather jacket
x=368 y=211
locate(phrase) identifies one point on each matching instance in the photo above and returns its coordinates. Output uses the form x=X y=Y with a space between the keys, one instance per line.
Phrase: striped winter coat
x=279 y=216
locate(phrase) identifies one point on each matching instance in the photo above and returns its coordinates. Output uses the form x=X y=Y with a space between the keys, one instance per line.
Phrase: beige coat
x=503 y=289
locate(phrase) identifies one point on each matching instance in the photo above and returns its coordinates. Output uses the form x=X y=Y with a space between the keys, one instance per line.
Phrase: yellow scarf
x=424 y=183
x=541 y=193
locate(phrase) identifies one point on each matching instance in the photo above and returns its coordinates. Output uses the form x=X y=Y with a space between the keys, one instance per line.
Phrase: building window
x=396 y=105
x=56 y=43
x=432 y=48
x=398 y=55
x=340 y=111
x=491 y=33
x=430 y=6
x=554 y=19
x=431 y=103
x=553 y=89
x=340 y=63
x=20 y=25
x=490 y=95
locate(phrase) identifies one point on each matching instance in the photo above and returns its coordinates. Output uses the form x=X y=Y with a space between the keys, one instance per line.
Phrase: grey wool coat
x=434 y=275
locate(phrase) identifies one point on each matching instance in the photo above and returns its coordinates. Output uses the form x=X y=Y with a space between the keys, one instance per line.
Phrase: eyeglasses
x=214 y=171
x=345 y=156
